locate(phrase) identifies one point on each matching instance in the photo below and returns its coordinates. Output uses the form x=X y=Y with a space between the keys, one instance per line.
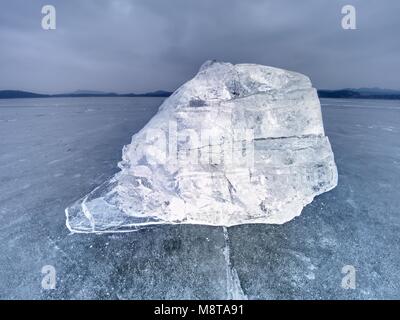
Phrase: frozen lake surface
x=54 y=151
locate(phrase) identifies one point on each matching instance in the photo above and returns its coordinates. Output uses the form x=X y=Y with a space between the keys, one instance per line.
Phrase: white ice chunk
x=236 y=144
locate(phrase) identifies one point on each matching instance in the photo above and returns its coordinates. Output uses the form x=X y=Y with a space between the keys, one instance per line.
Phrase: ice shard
x=237 y=144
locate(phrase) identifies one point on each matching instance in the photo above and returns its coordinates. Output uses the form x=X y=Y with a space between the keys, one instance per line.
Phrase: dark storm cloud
x=125 y=46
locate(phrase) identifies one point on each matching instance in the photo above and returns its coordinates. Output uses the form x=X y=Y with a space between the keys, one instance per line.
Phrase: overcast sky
x=144 y=45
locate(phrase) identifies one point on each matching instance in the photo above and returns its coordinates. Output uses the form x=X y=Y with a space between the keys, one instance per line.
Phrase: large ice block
x=236 y=144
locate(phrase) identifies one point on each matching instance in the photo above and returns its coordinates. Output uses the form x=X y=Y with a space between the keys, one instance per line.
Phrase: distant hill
x=85 y=92
x=378 y=91
x=159 y=93
x=361 y=93
x=13 y=94
x=16 y=94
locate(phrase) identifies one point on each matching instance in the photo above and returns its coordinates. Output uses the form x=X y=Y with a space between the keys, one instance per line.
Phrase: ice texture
x=237 y=144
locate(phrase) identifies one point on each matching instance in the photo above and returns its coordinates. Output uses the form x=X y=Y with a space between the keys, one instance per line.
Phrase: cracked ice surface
x=236 y=144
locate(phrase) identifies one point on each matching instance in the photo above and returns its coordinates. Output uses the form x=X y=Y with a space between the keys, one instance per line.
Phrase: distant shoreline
x=15 y=94
x=359 y=94
x=334 y=94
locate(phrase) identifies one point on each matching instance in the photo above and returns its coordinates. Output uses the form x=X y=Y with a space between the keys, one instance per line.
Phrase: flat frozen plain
x=54 y=151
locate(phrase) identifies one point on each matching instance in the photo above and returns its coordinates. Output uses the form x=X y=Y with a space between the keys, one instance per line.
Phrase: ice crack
x=234 y=288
